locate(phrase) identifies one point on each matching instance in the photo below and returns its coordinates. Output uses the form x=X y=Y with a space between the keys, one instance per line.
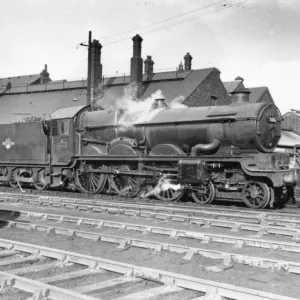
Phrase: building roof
x=19 y=80
x=16 y=106
x=289 y=138
x=291 y=120
x=293 y=111
x=161 y=76
x=231 y=86
x=43 y=99
x=257 y=93
x=183 y=85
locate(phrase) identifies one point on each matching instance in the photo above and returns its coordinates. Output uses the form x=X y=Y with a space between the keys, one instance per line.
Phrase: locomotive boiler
x=205 y=129
x=223 y=152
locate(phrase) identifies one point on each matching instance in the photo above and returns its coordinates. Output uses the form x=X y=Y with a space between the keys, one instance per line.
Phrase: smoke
x=133 y=111
x=177 y=102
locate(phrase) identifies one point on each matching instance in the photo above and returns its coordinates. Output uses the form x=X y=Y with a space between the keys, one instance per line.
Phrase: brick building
x=291 y=121
x=38 y=96
x=25 y=80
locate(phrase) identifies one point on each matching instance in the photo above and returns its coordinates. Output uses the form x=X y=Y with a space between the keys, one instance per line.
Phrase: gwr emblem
x=8 y=143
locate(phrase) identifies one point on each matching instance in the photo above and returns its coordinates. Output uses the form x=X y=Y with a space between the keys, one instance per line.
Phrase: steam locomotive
x=219 y=152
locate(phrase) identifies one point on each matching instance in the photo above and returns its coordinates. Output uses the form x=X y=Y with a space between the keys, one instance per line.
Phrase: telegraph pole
x=89 y=85
x=89 y=81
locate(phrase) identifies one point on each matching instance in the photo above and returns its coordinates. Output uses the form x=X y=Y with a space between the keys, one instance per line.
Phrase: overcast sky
x=256 y=39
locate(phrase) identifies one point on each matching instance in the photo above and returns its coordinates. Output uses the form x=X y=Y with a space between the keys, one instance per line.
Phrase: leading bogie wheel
x=203 y=194
x=256 y=194
x=168 y=190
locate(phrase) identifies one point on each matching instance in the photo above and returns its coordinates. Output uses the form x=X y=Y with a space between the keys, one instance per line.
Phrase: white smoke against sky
x=138 y=111
x=134 y=111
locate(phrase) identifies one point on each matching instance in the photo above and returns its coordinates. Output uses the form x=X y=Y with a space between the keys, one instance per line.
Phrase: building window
x=213 y=101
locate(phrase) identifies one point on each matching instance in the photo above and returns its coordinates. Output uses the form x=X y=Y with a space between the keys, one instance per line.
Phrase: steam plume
x=133 y=111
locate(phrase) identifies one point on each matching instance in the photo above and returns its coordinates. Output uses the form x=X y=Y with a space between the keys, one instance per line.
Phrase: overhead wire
x=165 y=20
x=183 y=21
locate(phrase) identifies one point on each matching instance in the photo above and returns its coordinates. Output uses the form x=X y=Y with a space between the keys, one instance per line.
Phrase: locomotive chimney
x=136 y=66
x=159 y=103
x=240 y=96
x=188 y=62
x=148 y=65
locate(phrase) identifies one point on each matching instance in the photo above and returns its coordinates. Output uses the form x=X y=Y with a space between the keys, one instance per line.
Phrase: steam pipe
x=214 y=145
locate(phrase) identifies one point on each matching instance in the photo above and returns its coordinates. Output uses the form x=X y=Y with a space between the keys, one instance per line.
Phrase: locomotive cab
x=63 y=140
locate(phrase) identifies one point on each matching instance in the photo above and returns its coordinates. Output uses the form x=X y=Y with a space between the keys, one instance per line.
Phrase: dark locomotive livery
x=223 y=152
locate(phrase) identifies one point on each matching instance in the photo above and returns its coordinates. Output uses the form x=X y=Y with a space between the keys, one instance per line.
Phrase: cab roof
x=68 y=112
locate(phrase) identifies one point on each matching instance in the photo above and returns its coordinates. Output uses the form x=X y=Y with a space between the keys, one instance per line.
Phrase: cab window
x=54 y=127
x=64 y=127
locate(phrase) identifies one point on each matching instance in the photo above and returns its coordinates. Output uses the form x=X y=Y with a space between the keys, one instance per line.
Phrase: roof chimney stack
x=136 y=66
x=239 y=78
x=44 y=76
x=96 y=70
x=188 y=62
x=149 y=65
x=180 y=67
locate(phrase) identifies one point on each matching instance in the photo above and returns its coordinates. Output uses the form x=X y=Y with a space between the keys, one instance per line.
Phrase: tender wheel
x=168 y=190
x=40 y=182
x=13 y=183
x=87 y=182
x=125 y=185
x=203 y=194
x=256 y=194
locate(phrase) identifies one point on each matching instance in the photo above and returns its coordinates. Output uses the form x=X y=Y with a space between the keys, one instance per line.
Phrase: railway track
x=190 y=242
x=123 y=242
x=234 y=219
x=113 y=198
x=206 y=236
x=107 y=275
x=153 y=283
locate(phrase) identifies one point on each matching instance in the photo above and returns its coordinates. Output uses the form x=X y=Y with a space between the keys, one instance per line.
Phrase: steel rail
x=38 y=289
x=228 y=257
x=263 y=228
x=241 y=213
x=209 y=287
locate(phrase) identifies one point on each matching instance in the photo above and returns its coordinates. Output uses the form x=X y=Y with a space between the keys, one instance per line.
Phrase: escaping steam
x=162 y=185
x=133 y=111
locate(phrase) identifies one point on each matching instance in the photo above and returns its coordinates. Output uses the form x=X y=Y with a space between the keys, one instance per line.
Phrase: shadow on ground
x=8 y=215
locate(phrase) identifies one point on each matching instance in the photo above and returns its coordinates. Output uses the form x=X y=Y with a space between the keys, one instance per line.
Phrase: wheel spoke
x=256 y=194
x=203 y=194
x=90 y=182
x=128 y=186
